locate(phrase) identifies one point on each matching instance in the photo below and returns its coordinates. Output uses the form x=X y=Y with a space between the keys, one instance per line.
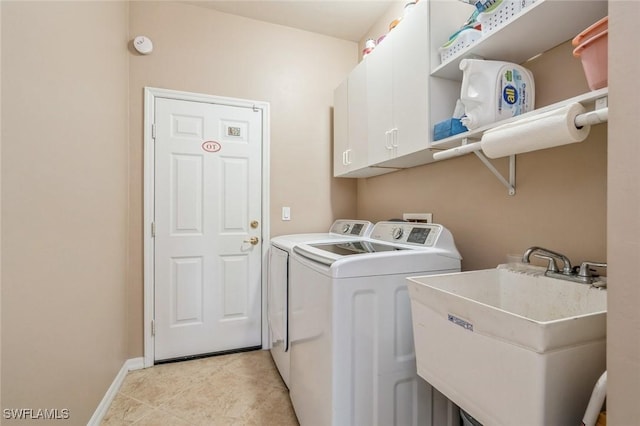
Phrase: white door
x=207 y=228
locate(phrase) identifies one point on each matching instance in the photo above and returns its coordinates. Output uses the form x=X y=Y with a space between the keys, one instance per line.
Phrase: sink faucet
x=581 y=274
x=551 y=256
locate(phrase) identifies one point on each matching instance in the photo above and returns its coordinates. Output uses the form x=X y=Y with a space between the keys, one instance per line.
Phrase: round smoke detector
x=143 y=45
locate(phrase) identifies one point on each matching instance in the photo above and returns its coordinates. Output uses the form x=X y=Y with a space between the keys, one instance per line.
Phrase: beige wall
x=64 y=203
x=201 y=50
x=560 y=200
x=623 y=320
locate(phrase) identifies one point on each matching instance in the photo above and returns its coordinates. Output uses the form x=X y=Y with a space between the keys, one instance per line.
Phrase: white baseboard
x=103 y=407
x=135 y=363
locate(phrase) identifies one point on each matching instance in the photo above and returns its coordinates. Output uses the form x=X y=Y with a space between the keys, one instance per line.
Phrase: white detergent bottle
x=493 y=91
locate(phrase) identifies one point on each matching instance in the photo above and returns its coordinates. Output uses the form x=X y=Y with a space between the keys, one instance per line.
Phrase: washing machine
x=278 y=282
x=352 y=353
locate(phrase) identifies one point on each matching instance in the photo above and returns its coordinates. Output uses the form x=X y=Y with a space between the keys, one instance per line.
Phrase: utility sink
x=510 y=345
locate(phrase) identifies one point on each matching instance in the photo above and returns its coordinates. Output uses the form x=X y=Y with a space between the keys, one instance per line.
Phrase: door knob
x=253 y=240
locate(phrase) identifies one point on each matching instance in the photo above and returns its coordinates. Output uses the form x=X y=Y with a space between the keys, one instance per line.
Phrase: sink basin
x=510 y=345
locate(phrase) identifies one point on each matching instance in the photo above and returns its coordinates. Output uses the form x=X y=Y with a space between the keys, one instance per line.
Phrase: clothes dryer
x=278 y=282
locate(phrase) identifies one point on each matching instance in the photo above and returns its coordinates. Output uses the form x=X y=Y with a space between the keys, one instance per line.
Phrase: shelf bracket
x=509 y=184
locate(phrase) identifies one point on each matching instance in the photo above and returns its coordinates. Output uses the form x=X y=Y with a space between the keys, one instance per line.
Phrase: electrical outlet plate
x=418 y=217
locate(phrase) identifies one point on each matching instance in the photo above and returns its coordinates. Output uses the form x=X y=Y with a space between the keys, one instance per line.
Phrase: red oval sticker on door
x=211 y=146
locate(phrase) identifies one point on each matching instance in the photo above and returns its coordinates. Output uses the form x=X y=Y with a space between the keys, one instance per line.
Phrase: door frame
x=150 y=96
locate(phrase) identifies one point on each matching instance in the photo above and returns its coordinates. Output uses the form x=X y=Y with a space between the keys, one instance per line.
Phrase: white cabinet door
x=350 y=141
x=379 y=101
x=340 y=129
x=356 y=156
x=410 y=83
x=397 y=84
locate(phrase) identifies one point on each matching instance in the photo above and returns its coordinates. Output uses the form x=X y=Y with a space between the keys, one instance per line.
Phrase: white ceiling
x=344 y=19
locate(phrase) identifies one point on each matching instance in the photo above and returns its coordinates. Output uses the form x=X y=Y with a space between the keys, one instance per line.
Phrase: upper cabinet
x=349 y=123
x=350 y=132
x=408 y=89
x=397 y=84
x=380 y=101
x=396 y=111
x=340 y=129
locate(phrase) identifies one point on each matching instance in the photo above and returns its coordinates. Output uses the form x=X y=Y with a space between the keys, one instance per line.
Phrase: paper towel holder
x=598 y=116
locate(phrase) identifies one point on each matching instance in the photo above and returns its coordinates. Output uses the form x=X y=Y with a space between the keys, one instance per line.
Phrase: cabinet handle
x=387 y=140
x=348 y=156
x=344 y=158
x=394 y=142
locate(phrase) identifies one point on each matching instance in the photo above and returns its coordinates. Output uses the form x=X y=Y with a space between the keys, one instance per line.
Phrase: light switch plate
x=286 y=213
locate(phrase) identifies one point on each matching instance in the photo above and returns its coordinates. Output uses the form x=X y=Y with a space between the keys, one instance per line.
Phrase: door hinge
x=153 y=327
x=153 y=229
x=153 y=131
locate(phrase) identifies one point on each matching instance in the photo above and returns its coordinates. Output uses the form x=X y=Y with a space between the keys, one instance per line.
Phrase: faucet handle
x=586 y=272
x=552 y=267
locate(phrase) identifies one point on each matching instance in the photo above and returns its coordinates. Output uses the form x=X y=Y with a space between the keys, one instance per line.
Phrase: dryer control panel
x=356 y=228
x=417 y=234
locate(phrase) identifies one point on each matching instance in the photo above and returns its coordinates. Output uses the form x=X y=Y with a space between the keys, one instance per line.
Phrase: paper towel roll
x=546 y=130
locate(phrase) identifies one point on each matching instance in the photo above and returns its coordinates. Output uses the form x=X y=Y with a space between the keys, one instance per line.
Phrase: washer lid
x=350 y=248
x=328 y=253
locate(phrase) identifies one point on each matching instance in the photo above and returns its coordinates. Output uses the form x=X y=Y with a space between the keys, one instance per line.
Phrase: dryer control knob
x=396 y=233
x=345 y=228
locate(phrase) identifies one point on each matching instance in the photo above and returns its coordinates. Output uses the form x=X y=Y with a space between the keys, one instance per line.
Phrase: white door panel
x=207 y=192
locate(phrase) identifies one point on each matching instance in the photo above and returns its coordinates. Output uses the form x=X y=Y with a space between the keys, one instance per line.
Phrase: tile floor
x=236 y=389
